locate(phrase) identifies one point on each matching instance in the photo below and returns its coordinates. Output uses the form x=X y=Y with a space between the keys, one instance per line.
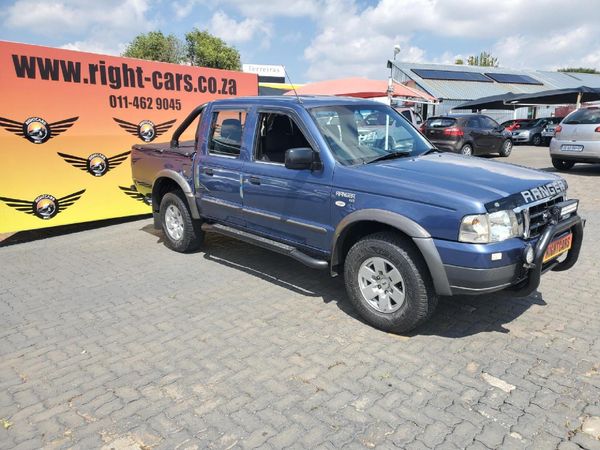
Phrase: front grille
x=539 y=216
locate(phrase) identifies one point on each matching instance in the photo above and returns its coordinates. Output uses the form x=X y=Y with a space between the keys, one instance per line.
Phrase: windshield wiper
x=392 y=155
x=431 y=150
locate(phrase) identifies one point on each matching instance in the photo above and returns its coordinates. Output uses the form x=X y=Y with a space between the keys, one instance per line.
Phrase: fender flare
x=416 y=232
x=185 y=187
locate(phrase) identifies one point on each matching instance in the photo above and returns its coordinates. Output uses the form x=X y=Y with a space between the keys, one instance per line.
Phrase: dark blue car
x=350 y=186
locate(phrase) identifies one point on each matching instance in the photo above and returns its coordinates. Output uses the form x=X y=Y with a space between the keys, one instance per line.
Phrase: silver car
x=577 y=139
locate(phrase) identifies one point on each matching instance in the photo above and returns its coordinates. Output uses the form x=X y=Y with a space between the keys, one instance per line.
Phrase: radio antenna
x=292 y=84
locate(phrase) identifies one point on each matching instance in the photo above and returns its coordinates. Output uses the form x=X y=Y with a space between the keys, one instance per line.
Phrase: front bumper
x=520 y=277
x=518 y=138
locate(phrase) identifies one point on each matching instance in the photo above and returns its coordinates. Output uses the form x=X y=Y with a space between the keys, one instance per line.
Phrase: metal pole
x=579 y=94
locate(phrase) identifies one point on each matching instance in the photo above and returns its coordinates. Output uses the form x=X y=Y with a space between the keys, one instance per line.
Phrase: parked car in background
x=530 y=132
x=513 y=124
x=469 y=134
x=550 y=129
x=411 y=115
x=577 y=139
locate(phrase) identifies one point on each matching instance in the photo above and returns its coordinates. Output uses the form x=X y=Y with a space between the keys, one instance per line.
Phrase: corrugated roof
x=470 y=90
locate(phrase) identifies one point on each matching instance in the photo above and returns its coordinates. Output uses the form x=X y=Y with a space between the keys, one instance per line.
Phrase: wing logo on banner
x=96 y=164
x=44 y=206
x=136 y=195
x=36 y=129
x=146 y=130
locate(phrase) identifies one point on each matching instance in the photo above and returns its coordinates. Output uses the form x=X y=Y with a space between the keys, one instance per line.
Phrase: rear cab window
x=227 y=127
x=589 y=116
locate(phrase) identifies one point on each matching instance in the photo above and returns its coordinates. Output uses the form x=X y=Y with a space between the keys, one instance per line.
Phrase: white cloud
x=550 y=51
x=234 y=32
x=524 y=33
x=105 y=25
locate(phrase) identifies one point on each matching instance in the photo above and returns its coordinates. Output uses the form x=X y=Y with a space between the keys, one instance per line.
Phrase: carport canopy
x=569 y=96
x=491 y=102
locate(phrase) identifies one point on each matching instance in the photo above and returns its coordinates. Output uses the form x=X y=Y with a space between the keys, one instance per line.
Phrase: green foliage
x=579 y=70
x=155 y=46
x=459 y=61
x=484 y=59
x=200 y=49
x=204 y=49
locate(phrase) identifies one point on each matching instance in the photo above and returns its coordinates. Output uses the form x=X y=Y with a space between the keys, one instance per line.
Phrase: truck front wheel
x=182 y=233
x=388 y=283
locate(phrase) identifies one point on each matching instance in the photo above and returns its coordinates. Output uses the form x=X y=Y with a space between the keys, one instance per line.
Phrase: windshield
x=533 y=123
x=357 y=134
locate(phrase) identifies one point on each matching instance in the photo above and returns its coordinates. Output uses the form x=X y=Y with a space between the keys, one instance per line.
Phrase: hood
x=456 y=182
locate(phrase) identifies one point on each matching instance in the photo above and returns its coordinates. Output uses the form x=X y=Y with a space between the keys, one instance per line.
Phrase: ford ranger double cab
x=377 y=203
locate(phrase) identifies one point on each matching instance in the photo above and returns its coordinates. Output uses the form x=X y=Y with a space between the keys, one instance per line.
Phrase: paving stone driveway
x=109 y=339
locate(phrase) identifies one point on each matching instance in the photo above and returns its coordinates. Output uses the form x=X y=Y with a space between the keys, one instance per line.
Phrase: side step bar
x=268 y=244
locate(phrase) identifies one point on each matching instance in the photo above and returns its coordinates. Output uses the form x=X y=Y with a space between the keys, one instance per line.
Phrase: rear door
x=220 y=167
x=475 y=134
x=493 y=138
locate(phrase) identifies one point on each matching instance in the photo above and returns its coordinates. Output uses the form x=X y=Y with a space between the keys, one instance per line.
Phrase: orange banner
x=67 y=123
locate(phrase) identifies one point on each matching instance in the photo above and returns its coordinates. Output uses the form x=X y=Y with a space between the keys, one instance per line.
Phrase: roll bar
x=185 y=124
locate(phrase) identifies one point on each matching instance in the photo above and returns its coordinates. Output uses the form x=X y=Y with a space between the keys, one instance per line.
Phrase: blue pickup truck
x=350 y=186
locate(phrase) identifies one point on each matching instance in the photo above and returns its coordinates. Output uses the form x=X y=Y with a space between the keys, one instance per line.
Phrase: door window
x=474 y=123
x=226 y=133
x=488 y=122
x=277 y=133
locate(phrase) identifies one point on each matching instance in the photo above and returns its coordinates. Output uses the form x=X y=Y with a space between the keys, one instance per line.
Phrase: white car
x=577 y=139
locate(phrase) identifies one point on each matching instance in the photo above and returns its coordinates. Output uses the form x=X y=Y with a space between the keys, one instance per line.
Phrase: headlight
x=494 y=227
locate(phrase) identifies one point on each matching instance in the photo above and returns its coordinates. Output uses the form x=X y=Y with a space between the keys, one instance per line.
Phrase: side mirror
x=302 y=158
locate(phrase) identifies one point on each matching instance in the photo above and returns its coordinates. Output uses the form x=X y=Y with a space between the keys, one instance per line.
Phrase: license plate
x=557 y=247
x=571 y=148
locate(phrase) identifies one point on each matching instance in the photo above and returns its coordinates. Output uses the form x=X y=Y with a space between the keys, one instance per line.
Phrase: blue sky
x=318 y=39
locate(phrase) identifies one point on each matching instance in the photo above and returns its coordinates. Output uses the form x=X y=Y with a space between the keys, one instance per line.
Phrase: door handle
x=254 y=180
x=209 y=172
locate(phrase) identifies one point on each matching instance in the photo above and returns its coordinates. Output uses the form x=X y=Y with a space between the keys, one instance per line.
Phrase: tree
x=459 y=61
x=155 y=46
x=579 y=70
x=204 y=49
x=484 y=59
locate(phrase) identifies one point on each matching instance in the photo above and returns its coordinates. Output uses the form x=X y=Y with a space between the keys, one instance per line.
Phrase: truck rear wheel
x=182 y=233
x=388 y=283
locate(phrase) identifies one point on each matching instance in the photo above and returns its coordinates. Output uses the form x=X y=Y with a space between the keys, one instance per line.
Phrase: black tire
x=561 y=164
x=192 y=235
x=536 y=140
x=420 y=299
x=467 y=150
x=506 y=148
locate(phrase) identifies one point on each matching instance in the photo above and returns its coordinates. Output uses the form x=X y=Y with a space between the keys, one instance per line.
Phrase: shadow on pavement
x=44 y=233
x=455 y=317
x=586 y=170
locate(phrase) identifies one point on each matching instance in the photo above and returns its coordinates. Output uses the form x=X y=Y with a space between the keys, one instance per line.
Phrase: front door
x=220 y=169
x=285 y=204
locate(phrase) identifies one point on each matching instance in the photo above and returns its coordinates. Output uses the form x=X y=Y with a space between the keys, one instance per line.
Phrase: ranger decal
x=546 y=190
